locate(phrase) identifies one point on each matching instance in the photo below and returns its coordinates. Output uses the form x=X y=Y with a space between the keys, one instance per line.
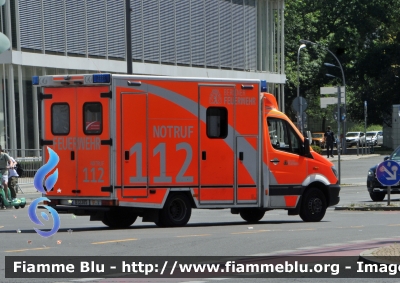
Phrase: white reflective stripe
x=272 y=179
x=279 y=201
x=315 y=178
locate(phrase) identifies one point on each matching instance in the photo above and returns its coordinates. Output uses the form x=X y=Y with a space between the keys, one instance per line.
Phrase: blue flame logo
x=46 y=168
x=50 y=182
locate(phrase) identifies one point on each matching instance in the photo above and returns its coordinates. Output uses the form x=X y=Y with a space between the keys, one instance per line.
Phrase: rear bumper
x=80 y=210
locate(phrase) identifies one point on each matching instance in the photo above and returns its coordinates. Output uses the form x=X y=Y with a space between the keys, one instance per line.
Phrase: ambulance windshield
x=282 y=136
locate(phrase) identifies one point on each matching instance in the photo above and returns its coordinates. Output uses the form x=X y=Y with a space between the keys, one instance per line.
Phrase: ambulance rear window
x=217 y=122
x=93 y=122
x=60 y=119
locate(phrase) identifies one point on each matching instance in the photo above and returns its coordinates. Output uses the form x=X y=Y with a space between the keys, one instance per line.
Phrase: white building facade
x=196 y=38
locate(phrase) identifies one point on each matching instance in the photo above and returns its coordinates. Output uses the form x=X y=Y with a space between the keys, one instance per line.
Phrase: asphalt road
x=213 y=233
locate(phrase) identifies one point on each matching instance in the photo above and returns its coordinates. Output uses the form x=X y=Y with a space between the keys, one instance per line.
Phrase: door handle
x=241 y=156
x=126 y=155
x=72 y=155
x=275 y=161
x=203 y=155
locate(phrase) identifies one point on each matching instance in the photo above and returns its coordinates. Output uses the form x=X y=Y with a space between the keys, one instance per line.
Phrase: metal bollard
x=357 y=148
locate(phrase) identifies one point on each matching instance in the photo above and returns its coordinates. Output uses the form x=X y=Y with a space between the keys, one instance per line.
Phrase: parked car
x=376 y=190
x=374 y=137
x=318 y=139
x=355 y=138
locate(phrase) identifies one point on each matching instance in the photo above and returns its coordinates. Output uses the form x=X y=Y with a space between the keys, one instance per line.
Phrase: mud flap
x=296 y=210
x=151 y=215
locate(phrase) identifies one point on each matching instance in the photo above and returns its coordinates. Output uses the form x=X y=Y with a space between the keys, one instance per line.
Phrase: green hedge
x=316 y=148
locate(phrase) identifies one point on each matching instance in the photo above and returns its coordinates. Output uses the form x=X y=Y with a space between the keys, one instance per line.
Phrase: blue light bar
x=263 y=86
x=35 y=80
x=101 y=78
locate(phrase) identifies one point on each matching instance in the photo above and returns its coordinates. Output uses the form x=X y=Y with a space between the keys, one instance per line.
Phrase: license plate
x=95 y=202
x=80 y=202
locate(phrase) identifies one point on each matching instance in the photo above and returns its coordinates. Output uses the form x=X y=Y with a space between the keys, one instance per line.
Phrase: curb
x=368 y=257
x=368 y=208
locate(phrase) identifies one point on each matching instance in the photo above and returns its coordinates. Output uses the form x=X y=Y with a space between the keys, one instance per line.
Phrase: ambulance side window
x=217 y=122
x=92 y=115
x=60 y=119
x=282 y=136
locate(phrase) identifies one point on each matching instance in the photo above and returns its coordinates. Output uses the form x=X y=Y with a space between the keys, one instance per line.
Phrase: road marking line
x=86 y=279
x=113 y=241
x=388 y=225
x=23 y=250
x=186 y=236
x=250 y=232
x=1 y=226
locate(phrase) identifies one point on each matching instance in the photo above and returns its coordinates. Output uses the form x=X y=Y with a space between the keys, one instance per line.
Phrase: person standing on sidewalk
x=329 y=139
x=5 y=164
x=13 y=179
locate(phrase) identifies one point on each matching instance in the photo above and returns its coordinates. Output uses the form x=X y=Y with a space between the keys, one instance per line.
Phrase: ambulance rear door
x=76 y=127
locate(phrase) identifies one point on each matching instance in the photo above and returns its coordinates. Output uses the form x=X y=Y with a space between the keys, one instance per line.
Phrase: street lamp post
x=303 y=41
x=128 y=34
x=338 y=145
x=299 y=115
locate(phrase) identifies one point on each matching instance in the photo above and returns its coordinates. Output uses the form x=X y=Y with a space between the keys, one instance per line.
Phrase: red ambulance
x=156 y=147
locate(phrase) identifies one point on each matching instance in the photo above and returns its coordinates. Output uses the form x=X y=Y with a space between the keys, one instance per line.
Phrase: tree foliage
x=365 y=37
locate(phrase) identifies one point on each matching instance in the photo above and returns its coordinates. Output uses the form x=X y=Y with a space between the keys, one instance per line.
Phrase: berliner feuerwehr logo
x=215 y=97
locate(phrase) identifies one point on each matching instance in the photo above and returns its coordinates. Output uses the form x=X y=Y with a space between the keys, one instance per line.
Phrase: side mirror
x=306 y=147
x=386 y=158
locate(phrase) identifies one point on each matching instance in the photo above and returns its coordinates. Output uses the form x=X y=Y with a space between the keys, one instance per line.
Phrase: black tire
x=176 y=211
x=119 y=218
x=377 y=196
x=313 y=206
x=252 y=215
x=22 y=206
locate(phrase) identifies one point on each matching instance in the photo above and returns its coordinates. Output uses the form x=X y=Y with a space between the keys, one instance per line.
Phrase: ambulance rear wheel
x=119 y=218
x=252 y=215
x=176 y=211
x=313 y=206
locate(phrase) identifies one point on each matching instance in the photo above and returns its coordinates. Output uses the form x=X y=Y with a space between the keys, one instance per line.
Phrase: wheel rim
x=315 y=205
x=177 y=210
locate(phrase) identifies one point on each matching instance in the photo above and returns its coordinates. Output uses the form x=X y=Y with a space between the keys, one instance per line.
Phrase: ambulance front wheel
x=313 y=206
x=119 y=218
x=176 y=211
x=252 y=215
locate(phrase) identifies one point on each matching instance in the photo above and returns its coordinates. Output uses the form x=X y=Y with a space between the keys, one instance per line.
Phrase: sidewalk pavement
x=388 y=254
